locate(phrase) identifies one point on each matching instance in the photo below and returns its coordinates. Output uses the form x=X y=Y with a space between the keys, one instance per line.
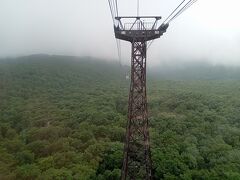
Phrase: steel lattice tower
x=137 y=156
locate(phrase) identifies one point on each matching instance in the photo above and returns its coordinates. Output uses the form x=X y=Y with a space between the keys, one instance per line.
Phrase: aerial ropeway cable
x=179 y=10
x=113 y=5
x=111 y=10
x=117 y=7
x=174 y=11
x=173 y=15
x=184 y=8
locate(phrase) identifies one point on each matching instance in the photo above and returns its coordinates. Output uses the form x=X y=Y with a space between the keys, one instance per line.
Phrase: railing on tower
x=138 y=28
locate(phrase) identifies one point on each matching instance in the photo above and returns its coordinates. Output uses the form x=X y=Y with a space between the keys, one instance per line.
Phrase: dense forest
x=64 y=118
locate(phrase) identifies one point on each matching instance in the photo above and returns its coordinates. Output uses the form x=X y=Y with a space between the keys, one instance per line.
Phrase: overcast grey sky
x=208 y=31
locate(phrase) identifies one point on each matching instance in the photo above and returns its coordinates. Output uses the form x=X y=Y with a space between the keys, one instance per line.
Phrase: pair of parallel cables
x=113 y=5
x=183 y=6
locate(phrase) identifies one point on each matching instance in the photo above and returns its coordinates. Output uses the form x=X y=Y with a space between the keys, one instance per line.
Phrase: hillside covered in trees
x=65 y=117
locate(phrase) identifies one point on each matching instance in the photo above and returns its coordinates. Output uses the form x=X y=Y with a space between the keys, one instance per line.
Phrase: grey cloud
x=84 y=28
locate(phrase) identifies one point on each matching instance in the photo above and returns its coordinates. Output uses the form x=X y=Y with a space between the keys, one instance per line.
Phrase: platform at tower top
x=144 y=28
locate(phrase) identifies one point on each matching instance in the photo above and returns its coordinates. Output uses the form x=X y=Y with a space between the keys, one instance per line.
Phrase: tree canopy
x=65 y=118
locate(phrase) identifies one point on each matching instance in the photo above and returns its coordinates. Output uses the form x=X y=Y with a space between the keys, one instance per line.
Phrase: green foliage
x=65 y=118
x=57 y=174
x=28 y=172
x=25 y=157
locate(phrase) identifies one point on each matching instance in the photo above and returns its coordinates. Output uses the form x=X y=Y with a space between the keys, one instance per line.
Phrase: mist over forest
x=177 y=70
x=64 y=117
x=195 y=70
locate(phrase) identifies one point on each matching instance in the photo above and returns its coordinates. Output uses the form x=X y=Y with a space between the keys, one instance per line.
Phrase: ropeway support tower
x=139 y=30
x=137 y=162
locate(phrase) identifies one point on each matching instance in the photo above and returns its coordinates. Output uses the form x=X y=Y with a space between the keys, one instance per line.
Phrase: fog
x=207 y=32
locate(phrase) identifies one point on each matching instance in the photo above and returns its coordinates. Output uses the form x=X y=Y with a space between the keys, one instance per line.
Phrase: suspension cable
x=117 y=40
x=174 y=11
x=113 y=5
x=184 y=8
x=150 y=43
x=111 y=10
x=117 y=7
x=194 y=1
x=173 y=16
x=137 y=8
x=119 y=51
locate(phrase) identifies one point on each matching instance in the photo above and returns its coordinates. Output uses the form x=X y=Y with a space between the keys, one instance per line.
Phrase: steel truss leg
x=137 y=157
